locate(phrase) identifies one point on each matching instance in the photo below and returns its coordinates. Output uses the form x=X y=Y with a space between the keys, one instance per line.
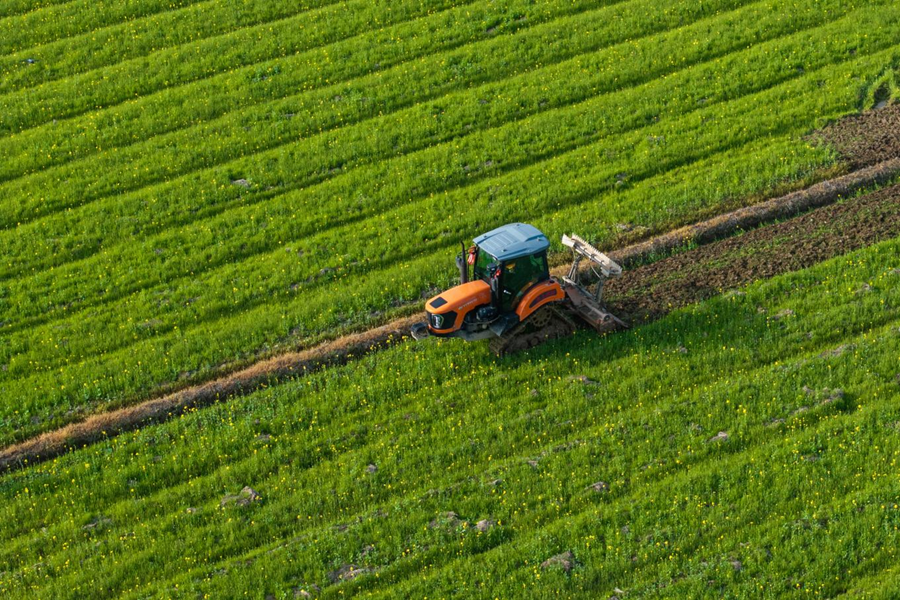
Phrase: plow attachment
x=585 y=303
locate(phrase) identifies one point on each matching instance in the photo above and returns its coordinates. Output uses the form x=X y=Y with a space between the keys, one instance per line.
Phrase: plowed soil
x=648 y=292
x=866 y=139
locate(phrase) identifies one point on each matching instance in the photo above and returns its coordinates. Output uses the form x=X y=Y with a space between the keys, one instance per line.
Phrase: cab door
x=518 y=275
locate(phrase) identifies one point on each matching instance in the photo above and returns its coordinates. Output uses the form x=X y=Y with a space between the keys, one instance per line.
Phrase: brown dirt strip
x=749 y=217
x=650 y=291
x=865 y=139
x=642 y=293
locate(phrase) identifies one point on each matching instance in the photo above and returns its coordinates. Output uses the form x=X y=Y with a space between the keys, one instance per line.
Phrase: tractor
x=507 y=295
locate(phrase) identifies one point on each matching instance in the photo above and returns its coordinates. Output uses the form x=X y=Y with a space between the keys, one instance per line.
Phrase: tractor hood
x=447 y=310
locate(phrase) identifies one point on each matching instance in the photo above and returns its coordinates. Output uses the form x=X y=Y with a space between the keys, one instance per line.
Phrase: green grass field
x=188 y=185
x=133 y=261
x=800 y=498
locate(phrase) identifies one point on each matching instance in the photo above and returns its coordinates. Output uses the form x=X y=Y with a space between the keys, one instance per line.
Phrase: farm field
x=191 y=190
x=744 y=445
x=157 y=239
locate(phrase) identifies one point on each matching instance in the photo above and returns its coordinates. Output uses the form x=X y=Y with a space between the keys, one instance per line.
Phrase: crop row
x=126 y=80
x=139 y=37
x=568 y=180
x=64 y=19
x=259 y=46
x=449 y=431
x=464 y=159
x=293 y=111
x=11 y=8
x=130 y=121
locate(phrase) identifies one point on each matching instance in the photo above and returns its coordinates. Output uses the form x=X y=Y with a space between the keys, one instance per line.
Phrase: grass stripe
x=127 y=80
x=58 y=21
x=126 y=123
x=400 y=93
x=103 y=47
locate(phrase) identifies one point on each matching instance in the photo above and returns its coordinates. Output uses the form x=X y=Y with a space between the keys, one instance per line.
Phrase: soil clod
x=600 y=486
x=722 y=436
x=448 y=519
x=833 y=395
x=485 y=524
x=246 y=496
x=565 y=561
x=99 y=522
x=834 y=352
x=346 y=573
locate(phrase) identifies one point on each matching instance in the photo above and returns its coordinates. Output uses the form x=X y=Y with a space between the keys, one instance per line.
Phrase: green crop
x=189 y=185
x=744 y=447
x=150 y=34
x=138 y=262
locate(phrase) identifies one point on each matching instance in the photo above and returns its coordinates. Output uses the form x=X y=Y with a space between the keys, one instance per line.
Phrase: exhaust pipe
x=462 y=265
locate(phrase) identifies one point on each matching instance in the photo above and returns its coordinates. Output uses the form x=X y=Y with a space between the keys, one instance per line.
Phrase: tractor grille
x=443 y=320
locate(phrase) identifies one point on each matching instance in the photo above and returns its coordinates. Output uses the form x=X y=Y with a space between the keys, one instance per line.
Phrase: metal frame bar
x=583 y=249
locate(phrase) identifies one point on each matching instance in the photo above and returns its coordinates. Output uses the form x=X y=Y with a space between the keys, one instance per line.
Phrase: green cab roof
x=512 y=241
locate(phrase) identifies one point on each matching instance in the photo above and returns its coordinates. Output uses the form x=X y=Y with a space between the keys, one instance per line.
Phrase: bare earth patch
x=865 y=139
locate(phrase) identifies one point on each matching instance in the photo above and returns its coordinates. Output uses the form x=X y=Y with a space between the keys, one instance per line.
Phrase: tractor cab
x=510 y=259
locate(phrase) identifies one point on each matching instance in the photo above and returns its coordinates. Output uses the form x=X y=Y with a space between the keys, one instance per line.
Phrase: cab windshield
x=482 y=261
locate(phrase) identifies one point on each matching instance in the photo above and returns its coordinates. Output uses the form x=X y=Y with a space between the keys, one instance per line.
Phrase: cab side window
x=519 y=275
